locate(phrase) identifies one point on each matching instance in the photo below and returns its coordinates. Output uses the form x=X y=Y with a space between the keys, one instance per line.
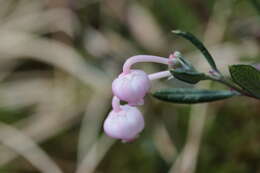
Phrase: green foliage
x=199 y=45
x=185 y=63
x=247 y=77
x=191 y=77
x=190 y=95
x=256 y=4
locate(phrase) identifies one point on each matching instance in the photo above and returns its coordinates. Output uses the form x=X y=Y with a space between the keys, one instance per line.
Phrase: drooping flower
x=124 y=122
x=131 y=87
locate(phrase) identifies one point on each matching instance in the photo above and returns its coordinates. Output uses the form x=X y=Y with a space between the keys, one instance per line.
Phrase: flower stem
x=143 y=58
x=159 y=75
x=116 y=104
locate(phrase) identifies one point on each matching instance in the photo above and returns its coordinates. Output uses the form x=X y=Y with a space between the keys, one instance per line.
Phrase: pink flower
x=131 y=87
x=124 y=123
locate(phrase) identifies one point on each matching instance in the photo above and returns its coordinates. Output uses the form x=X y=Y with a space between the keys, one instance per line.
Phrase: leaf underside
x=190 y=95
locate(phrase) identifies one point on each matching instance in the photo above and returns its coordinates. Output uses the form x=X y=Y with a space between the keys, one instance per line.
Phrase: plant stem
x=116 y=104
x=223 y=80
x=159 y=75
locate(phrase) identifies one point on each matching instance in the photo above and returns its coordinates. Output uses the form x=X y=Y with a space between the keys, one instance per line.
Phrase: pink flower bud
x=131 y=87
x=124 y=124
x=173 y=61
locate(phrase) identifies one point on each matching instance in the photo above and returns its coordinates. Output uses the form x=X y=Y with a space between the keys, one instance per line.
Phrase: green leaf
x=190 y=95
x=191 y=77
x=256 y=4
x=247 y=77
x=185 y=63
x=199 y=45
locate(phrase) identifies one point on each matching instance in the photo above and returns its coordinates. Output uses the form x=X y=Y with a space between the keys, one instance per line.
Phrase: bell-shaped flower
x=125 y=123
x=132 y=86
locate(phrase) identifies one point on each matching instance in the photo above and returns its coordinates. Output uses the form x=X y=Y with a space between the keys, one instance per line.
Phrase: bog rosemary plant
x=125 y=122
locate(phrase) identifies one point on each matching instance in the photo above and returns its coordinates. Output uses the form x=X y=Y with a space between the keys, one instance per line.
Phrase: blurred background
x=57 y=61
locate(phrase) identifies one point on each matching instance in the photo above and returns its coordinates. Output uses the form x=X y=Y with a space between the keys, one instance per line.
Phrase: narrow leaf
x=247 y=77
x=191 y=77
x=190 y=95
x=197 y=43
x=186 y=64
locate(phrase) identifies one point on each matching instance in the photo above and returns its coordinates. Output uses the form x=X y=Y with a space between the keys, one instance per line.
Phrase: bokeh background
x=57 y=61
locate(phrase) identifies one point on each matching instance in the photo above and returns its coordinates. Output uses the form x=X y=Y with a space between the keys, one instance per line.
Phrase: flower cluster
x=125 y=122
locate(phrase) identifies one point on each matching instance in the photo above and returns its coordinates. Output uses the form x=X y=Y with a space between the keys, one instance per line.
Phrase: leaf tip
x=177 y=31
